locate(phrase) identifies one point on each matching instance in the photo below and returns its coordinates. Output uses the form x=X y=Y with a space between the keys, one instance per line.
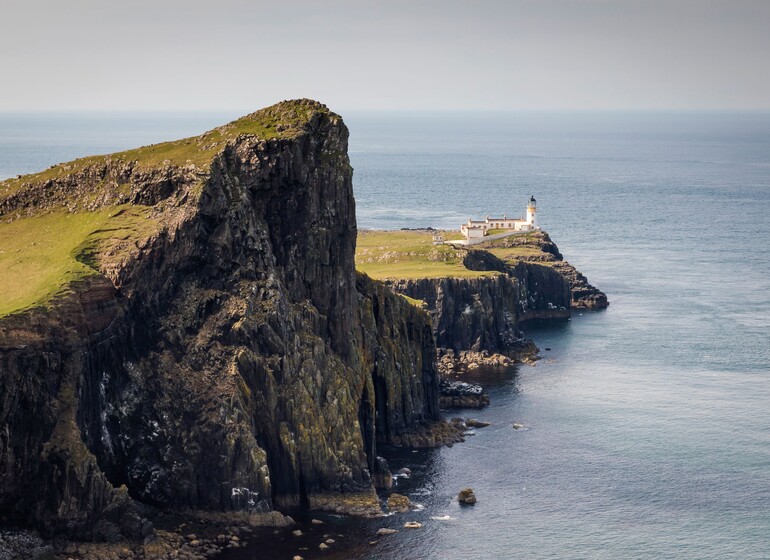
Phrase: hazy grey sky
x=396 y=54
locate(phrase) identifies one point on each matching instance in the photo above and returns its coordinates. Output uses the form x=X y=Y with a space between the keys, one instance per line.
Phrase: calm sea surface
x=647 y=425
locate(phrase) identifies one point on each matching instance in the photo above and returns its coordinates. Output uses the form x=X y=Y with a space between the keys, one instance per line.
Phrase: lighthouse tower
x=531 y=208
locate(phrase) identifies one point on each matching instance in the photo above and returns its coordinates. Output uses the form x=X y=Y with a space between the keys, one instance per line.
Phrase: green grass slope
x=44 y=249
x=409 y=254
x=41 y=255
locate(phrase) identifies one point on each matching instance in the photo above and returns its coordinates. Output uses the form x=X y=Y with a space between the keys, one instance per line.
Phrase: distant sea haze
x=648 y=433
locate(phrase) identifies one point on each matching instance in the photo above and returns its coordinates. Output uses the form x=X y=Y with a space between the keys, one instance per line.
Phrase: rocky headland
x=479 y=298
x=187 y=349
x=207 y=347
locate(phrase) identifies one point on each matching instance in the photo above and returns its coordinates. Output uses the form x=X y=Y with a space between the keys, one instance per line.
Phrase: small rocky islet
x=207 y=354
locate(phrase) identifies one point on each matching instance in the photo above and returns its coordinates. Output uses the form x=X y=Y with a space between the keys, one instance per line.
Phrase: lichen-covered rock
x=398 y=503
x=230 y=362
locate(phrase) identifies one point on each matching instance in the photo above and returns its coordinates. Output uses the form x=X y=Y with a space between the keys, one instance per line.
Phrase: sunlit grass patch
x=41 y=255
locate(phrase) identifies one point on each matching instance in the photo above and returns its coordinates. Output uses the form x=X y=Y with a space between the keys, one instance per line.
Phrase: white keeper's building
x=476 y=229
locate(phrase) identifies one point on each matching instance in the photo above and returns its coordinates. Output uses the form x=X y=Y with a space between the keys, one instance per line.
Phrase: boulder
x=473 y=423
x=466 y=496
x=399 y=503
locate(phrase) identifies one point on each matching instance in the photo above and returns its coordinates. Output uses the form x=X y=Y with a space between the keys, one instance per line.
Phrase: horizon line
x=244 y=111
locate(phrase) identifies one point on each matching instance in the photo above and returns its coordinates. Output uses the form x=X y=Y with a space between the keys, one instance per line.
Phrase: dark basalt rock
x=483 y=260
x=459 y=394
x=485 y=313
x=232 y=363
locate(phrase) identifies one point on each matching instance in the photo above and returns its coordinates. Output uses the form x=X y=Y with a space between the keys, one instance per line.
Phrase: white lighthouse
x=531 y=208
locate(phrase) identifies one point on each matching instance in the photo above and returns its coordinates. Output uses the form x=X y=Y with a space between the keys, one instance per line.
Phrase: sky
x=506 y=55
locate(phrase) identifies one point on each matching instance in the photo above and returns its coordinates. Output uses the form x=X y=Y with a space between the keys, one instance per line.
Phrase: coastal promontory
x=195 y=330
x=183 y=329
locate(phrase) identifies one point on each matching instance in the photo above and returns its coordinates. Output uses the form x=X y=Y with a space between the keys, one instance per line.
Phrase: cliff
x=537 y=247
x=478 y=298
x=486 y=313
x=205 y=343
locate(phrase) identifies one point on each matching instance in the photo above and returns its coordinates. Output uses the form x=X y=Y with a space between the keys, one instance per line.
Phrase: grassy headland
x=76 y=217
x=410 y=254
x=284 y=120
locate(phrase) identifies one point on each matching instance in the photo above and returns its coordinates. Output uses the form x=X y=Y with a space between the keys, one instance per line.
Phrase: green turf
x=416 y=302
x=284 y=120
x=41 y=255
x=409 y=254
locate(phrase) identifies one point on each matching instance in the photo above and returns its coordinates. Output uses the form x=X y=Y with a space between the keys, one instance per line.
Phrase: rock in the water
x=473 y=423
x=316 y=522
x=381 y=475
x=297 y=532
x=323 y=546
x=466 y=496
x=517 y=426
x=458 y=394
x=399 y=503
x=412 y=525
x=386 y=531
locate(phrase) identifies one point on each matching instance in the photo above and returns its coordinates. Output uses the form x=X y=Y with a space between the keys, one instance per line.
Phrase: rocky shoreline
x=201 y=535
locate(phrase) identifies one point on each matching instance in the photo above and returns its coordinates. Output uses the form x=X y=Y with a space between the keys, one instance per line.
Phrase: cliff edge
x=479 y=297
x=182 y=328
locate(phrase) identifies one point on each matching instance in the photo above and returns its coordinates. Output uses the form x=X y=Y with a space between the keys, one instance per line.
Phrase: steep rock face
x=398 y=348
x=484 y=313
x=230 y=362
x=584 y=295
x=538 y=247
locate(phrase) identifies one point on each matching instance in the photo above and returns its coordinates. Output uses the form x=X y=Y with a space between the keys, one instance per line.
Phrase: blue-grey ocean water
x=648 y=424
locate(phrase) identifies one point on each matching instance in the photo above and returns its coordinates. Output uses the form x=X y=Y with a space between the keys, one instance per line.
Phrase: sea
x=646 y=426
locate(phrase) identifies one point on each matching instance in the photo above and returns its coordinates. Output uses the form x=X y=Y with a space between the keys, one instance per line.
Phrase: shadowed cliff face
x=485 y=313
x=231 y=361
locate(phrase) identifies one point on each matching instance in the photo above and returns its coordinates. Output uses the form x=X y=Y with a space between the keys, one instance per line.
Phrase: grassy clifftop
x=56 y=226
x=410 y=254
x=283 y=120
